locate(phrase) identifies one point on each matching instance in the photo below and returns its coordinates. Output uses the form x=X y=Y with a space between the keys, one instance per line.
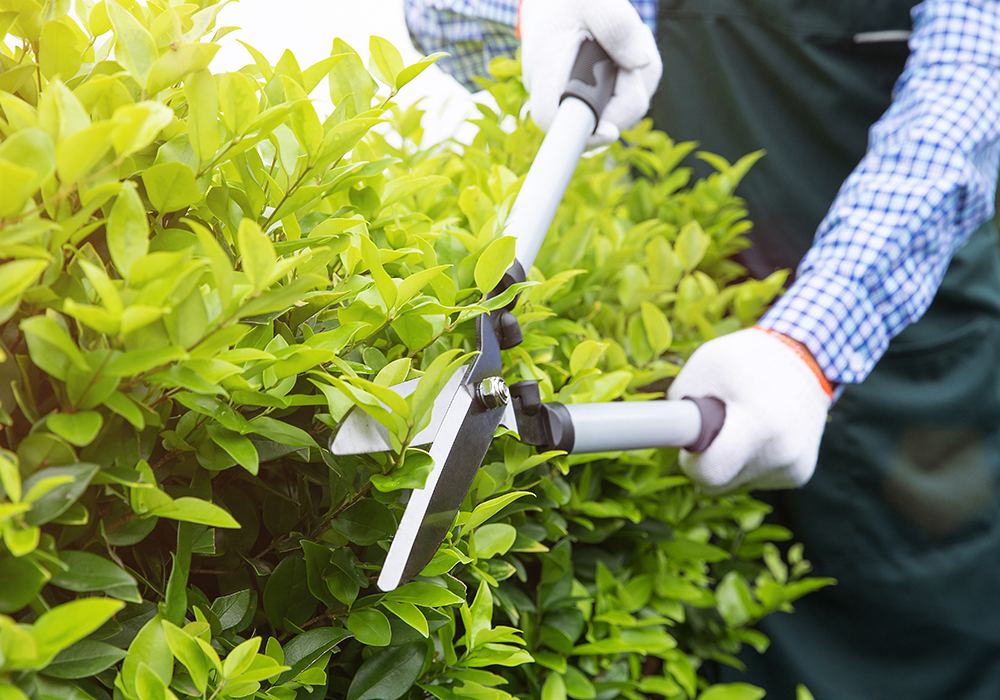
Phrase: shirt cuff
x=835 y=318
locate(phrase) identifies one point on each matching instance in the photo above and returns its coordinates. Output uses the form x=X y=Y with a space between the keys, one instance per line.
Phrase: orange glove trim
x=517 y=26
x=803 y=352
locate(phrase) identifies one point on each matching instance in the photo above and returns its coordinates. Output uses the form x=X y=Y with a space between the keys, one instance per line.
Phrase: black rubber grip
x=561 y=433
x=713 y=415
x=593 y=77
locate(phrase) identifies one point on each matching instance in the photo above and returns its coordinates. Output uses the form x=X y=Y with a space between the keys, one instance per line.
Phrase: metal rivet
x=492 y=393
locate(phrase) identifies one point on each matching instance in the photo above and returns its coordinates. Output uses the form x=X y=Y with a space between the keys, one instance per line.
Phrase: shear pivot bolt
x=492 y=393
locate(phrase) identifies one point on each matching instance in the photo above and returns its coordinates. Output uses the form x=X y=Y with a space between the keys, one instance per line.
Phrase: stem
x=284 y=198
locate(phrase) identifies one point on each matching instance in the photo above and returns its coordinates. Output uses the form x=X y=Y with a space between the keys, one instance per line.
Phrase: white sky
x=308 y=28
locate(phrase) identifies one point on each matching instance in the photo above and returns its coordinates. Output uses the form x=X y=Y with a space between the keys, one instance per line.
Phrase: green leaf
x=10 y=477
x=366 y=522
x=214 y=408
x=55 y=501
x=195 y=510
x=237 y=446
x=426 y=595
x=28 y=156
x=388 y=674
x=281 y=432
x=10 y=692
x=232 y=608
x=136 y=362
x=658 y=331
x=493 y=263
x=486 y=510
x=492 y=540
x=306 y=649
x=177 y=62
x=76 y=428
x=413 y=473
x=554 y=688
x=127 y=230
x=189 y=653
x=802 y=693
x=732 y=691
x=170 y=187
x=240 y=658
x=149 y=685
x=20 y=581
x=410 y=614
x=149 y=648
x=691 y=245
x=412 y=71
x=64 y=625
x=350 y=81
x=386 y=61
x=57 y=53
x=76 y=155
x=222 y=267
x=386 y=287
x=238 y=100
x=17 y=276
x=89 y=572
x=84 y=659
x=203 y=114
x=135 y=49
x=257 y=254
x=139 y=125
x=370 y=627
x=22 y=541
x=286 y=595
x=50 y=347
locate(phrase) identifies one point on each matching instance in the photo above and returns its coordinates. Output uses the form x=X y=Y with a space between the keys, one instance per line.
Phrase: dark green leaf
x=55 y=502
x=305 y=649
x=388 y=674
x=20 y=582
x=89 y=572
x=286 y=595
x=84 y=659
x=366 y=522
x=232 y=608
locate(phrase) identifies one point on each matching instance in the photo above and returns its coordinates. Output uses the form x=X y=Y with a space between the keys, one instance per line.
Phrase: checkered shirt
x=927 y=181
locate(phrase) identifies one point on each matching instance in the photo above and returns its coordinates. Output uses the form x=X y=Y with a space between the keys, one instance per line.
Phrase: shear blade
x=362 y=434
x=458 y=450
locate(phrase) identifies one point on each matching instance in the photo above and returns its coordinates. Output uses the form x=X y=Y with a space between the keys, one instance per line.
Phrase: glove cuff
x=804 y=355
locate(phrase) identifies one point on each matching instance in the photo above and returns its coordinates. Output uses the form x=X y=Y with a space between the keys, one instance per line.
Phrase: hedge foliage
x=200 y=276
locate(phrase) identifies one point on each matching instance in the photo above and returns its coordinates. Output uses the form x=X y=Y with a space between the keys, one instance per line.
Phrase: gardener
x=898 y=264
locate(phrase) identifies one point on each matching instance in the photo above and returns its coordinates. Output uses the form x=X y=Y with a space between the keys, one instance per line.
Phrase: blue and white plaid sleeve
x=927 y=182
x=475 y=32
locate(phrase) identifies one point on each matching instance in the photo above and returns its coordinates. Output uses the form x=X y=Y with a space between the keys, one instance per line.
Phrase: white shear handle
x=590 y=87
x=640 y=425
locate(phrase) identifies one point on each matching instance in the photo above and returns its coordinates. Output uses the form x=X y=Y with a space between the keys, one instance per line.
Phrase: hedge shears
x=475 y=401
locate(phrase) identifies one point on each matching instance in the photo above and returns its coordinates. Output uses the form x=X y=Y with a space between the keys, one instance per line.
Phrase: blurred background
x=308 y=28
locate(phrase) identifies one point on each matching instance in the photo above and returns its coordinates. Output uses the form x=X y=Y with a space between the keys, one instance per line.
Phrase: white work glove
x=776 y=409
x=551 y=34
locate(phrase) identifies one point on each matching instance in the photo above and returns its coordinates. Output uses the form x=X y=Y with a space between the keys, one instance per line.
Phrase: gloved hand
x=776 y=407
x=551 y=34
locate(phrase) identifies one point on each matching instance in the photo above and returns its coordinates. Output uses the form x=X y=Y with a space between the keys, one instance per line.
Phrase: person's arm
x=472 y=32
x=927 y=182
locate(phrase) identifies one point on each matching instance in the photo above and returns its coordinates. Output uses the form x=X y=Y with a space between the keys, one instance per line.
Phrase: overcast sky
x=308 y=28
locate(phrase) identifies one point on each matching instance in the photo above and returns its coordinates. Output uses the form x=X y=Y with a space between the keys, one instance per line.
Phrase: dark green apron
x=903 y=509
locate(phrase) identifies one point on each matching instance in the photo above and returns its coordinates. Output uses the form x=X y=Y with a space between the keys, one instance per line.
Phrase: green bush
x=199 y=277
